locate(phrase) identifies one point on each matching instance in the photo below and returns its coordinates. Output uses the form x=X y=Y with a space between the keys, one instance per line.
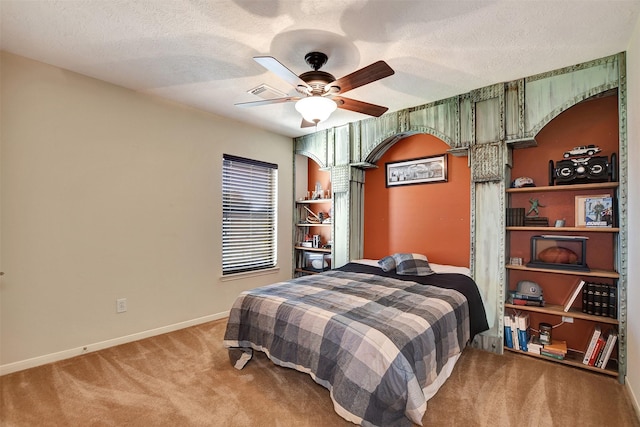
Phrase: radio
x=583 y=170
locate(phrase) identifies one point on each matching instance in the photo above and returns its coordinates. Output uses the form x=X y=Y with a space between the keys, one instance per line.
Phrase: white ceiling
x=200 y=52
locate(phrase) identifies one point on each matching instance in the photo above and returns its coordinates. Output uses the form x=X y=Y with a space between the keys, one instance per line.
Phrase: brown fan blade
x=276 y=67
x=360 y=106
x=307 y=124
x=371 y=73
x=267 y=101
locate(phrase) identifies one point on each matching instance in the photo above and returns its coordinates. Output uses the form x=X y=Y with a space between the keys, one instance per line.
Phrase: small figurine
x=535 y=204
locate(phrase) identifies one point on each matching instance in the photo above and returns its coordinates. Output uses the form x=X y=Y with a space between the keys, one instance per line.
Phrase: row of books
x=516 y=331
x=514 y=297
x=600 y=347
x=599 y=299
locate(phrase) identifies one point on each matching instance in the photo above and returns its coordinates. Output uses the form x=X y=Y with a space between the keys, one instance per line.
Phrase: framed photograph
x=417 y=171
x=594 y=211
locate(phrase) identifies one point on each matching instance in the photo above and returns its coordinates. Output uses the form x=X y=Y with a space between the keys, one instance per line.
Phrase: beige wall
x=107 y=193
x=633 y=120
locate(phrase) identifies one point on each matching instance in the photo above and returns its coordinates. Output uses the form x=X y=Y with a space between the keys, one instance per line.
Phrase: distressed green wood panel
x=375 y=130
x=488 y=114
x=466 y=121
x=549 y=94
x=440 y=119
x=342 y=145
x=514 y=110
x=487 y=259
x=315 y=146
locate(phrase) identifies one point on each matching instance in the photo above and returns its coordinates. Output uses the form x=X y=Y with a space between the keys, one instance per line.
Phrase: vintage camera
x=583 y=170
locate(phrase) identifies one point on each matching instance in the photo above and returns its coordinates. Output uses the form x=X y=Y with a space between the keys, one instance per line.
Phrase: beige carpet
x=184 y=379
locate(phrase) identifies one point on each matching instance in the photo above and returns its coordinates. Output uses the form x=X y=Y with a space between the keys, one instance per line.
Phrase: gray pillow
x=387 y=263
x=412 y=264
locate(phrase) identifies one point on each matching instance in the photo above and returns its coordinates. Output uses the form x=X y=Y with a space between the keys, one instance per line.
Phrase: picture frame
x=594 y=210
x=422 y=170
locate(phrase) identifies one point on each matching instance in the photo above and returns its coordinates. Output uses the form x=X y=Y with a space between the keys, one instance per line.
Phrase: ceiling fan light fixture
x=316 y=109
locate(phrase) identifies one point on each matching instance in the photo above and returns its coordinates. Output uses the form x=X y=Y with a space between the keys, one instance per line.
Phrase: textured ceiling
x=200 y=53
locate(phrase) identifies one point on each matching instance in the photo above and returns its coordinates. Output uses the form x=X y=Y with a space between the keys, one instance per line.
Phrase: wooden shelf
x=313 y=201
x=574 y=187
x=557 y=310
x=308 y=271
x=304 y=248
x=573 y=358
x=563 y=229
x=592 y=273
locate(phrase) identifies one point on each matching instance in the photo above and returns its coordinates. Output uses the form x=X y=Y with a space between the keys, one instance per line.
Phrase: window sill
x=247 y=274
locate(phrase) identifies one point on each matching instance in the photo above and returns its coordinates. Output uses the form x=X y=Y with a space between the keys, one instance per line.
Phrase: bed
x=381 y=342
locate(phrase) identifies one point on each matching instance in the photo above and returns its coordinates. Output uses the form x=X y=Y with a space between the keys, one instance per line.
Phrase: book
x=611 y=343
x=534 y=345
x=557 y=346
x=599 y=358
x=508 y=338
x=592 y=344
x=594 y=355
x=523 y=330
x=613 y=301
x=516 y=301
x=597 y=299
x=547 y=353
x=514 y=333
x=590 y=289
x=518 y=295
x=576 y=291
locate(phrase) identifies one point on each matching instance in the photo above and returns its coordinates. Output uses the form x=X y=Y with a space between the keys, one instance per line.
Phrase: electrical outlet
x=121 y=305
x=567 y=319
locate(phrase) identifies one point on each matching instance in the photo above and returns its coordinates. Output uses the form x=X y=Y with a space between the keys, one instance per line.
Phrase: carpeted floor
x=184 y=378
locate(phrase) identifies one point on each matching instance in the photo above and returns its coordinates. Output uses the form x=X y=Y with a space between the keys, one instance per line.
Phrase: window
x=249 y=195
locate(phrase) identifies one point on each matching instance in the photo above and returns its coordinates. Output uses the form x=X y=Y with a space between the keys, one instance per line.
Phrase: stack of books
x=517 y=298
x=557 y=349
x=600 y=347
x=536 y=221
x=516 y=331
x=534 y=345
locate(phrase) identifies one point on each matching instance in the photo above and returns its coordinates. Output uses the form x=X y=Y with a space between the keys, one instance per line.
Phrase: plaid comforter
x=374 y=342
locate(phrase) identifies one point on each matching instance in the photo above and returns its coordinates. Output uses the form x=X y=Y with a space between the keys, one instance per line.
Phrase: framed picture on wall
x=417 y=171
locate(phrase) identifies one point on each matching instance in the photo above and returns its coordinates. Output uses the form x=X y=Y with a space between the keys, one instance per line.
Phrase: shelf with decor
x=553 y=249
x=313 y=236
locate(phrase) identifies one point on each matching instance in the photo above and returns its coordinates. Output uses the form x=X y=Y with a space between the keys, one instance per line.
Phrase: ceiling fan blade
x=371 y=73
x=276 y=67
x=360 y=106
x=267 y=101
x=307 y=124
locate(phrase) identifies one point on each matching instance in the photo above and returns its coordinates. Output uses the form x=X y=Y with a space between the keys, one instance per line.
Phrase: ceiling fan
x=319 y=90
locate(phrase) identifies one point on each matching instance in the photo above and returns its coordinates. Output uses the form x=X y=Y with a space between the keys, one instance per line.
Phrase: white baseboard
x=632 y=395
x=73 y=352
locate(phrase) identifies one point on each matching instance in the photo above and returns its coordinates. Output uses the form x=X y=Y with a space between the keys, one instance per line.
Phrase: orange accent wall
x=431 y=219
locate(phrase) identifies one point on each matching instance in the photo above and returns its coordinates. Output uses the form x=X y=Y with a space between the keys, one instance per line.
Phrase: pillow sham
x=387 y=263
x=412 y=264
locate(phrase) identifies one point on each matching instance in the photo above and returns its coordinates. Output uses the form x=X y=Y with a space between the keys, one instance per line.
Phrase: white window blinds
x=249 y=217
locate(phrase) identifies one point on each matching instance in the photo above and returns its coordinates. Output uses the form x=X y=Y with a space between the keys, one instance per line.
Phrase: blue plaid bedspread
x=375 y=342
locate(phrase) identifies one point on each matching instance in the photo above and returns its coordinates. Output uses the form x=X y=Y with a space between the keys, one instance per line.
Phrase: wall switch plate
x=121 y=305
x=567 y=319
